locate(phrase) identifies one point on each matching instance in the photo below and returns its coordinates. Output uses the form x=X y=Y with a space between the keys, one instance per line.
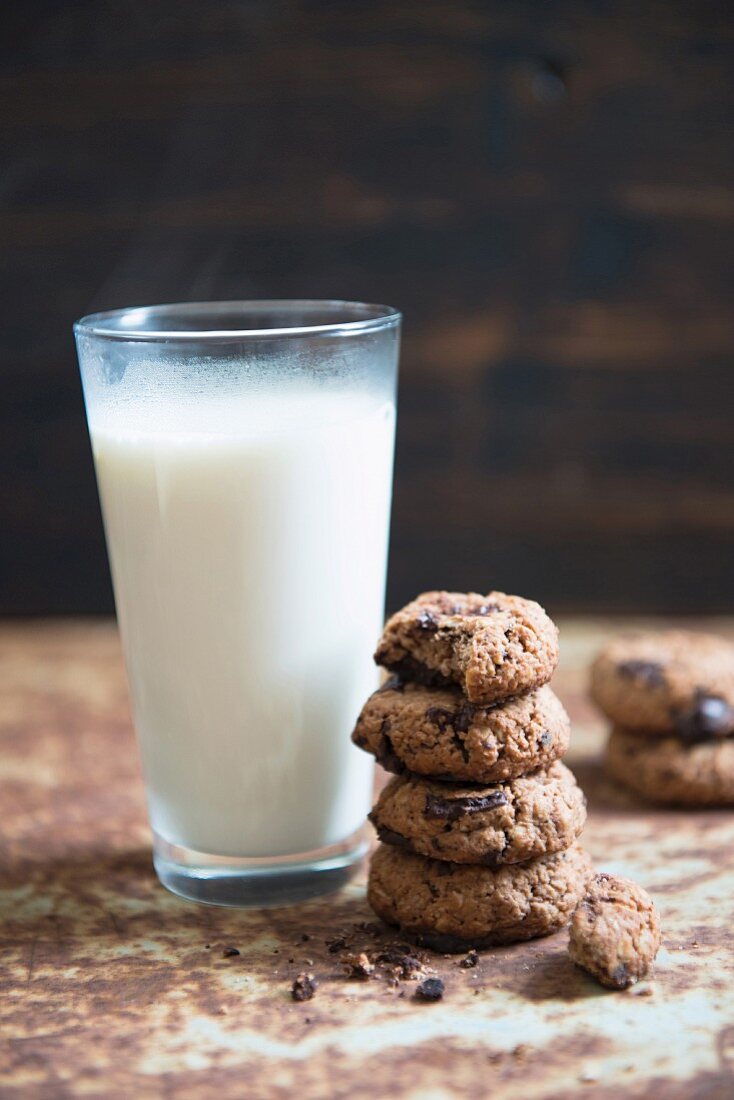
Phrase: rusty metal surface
x=109 y=985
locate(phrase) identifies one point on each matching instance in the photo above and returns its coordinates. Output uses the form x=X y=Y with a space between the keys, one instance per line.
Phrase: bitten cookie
x=436 y=732
x=492 y=646
x=674 y=681
x=664 y=770
x=506 y=823
x=454 y=907
x=615 y=932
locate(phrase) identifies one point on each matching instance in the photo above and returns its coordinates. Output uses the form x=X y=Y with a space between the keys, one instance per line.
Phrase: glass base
x=256 y=883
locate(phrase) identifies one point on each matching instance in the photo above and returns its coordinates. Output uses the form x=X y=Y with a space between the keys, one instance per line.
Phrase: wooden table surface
x=111 y=986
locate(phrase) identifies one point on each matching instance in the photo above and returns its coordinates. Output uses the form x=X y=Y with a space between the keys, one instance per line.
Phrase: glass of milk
x=244 y=456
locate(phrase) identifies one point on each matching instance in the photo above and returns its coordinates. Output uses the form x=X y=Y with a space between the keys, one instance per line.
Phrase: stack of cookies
x=480 y=823
x=670 y=696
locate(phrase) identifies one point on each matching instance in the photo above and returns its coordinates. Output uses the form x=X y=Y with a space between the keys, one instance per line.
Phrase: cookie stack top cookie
x=670 y=697
x=480 y=822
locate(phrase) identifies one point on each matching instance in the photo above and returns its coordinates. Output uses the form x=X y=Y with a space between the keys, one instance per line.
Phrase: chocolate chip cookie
x=491 y=646
x=615 y=932
x=674 y=681
x=454 y=907
x=505 y=823
x=663 y=769
x=436 y=732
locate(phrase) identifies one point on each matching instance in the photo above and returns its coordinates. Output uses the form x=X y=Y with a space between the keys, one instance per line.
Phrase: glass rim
x=125 y=323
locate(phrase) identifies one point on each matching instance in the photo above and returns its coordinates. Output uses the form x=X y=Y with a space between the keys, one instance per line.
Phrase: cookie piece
x=615 y=932
x=436 y=732
x=663 y=769
x=454 y=907
x=673 y=681
x=505 y=823
x=492 y=646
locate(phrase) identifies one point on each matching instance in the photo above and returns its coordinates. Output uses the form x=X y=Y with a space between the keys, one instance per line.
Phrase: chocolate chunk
x=430 y=989
x=304 y=987
x=407 y=668
x=545 y=739
x=229 y=952
x=470 y=960
x=386 y=756
x=460 y=719
x=389 y=836
x=451 y=809
x=427 y=622
x=648 y=672
x=709 y=717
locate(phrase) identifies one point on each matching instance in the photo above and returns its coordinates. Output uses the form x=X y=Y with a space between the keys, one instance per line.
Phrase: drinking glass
x=243 y=453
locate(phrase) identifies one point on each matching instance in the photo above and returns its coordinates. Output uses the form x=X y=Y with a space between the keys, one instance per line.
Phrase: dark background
x=546 y=189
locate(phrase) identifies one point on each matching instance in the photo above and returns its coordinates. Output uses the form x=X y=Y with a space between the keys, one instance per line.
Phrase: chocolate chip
x=430 y=989
x=451 y=809
x=305 y=937
x=709 y=717
x=545 y=739
x=304 y=987
x=470 y=960
x=230 y=952
x=650 y=673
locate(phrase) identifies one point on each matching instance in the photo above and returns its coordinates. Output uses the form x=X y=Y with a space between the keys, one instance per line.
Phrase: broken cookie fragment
x=615 y=932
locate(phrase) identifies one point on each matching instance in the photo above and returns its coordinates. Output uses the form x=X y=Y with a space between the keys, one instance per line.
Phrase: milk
x=247 y=540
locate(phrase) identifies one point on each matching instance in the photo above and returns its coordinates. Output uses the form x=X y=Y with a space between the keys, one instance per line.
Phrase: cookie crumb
x=303 y=988
x=337 y=944
x=358 y=966
x=470 y=959
x=230 y=952
x=430 y=989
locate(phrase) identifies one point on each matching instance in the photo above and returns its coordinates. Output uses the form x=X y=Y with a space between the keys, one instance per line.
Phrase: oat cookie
x=436 y=732
x=663 y=769
x=454 y=907
x=506 y=823
x=492 y=646
x=674 y=681
x=615 y=932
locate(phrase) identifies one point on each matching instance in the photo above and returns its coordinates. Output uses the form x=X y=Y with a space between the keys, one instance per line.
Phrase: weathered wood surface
x=546 y=190
x=109 y=986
